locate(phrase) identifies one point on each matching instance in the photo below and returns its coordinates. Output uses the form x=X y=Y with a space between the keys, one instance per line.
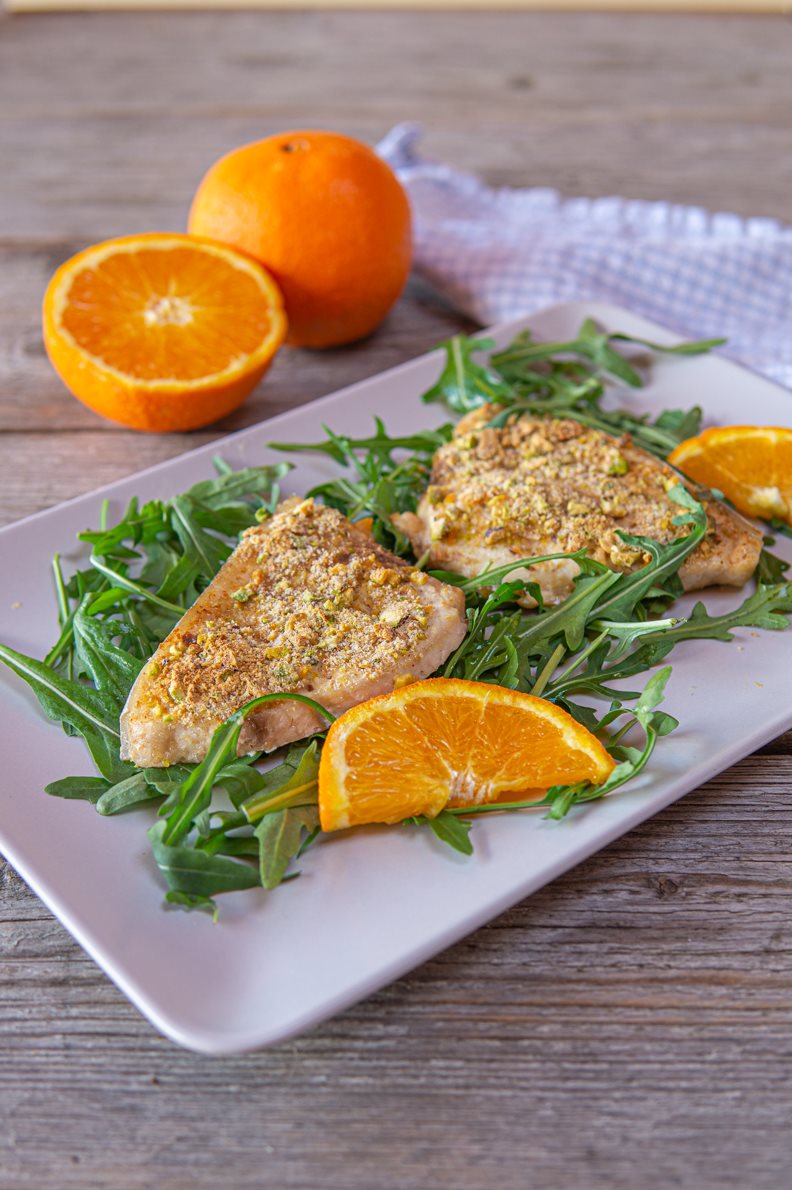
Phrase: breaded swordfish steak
x=307 y=603
x=541 y=485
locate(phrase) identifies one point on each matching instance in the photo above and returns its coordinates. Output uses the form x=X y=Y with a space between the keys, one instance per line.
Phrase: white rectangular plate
x=373 y=903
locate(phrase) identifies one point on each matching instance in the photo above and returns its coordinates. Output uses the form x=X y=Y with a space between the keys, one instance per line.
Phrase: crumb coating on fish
x=544 y=485
x=322 y=606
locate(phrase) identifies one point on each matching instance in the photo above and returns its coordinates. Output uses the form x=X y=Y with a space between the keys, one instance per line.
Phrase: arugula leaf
x=464 y=384
x=126 y=794
x=195 y=795
x=112 y=670
x=280 y=836
x=764 y=608
x=233 y=488
x=695 y=347
x=770 y=569
x=206 y=550
x=384 y=482
x=282 y=810
x=196 y=873
x=652 y=695
x=654 y=723
x=190 y=901
x=178 y=581
x=343 y=450
x=564 y=380
x=240 y=778
x=452 y=830
x=168 y=781
x=87 y=789
x=680 y=424
x=120 y=579
x=592 y=345
x=88 y=712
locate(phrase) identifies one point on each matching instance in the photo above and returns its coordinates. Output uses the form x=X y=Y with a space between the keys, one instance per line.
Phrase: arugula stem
x=60 y=591
x=578 y=660
x=493 y=807
x=128 y=584
x=63 y=642
x=65 y=619
x=618 y=735
x=548 y=670
x=231 y=823
x=256 y=807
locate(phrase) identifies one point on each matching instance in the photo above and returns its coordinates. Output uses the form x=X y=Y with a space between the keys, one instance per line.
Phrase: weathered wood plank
x=638 y=105
x=645 y=996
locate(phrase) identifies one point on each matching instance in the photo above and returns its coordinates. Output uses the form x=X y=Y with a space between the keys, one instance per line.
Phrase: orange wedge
x=446 y=742
x=751 y=465
x=160 y=331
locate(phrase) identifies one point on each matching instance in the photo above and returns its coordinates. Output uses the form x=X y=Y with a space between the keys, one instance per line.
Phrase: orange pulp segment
x=751 y=465
x=445 y=742
x=161 y=331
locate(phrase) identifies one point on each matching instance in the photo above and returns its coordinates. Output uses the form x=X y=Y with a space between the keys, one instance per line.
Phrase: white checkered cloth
x=499 y=254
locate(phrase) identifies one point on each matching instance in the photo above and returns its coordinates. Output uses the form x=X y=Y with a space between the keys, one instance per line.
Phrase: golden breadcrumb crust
x=543 y=485
x=322 y=603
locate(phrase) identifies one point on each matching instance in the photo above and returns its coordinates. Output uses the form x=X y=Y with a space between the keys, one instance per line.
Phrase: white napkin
x=499 y=254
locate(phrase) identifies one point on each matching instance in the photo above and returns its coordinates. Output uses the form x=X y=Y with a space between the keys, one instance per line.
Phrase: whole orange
x=326 y=216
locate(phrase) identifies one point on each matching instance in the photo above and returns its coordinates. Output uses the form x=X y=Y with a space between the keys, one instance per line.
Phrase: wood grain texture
x=632 y=1023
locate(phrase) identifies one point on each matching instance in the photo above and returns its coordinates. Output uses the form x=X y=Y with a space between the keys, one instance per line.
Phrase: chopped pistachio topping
x=331 y=609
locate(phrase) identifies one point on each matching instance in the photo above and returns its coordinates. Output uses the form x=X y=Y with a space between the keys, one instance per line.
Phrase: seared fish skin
x=306 y=603
x=543 y=486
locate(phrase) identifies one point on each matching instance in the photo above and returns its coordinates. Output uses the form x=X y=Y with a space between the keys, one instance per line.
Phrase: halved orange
x=161 y=331
x=751 y=465
x=447 y=742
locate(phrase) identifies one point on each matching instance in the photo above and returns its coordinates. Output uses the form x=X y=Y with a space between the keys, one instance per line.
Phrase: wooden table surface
x=631 y=1025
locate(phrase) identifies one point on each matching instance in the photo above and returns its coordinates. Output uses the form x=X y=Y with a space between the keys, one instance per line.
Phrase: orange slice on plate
x=447 y=742
x=751 y=465
x=160 y=331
